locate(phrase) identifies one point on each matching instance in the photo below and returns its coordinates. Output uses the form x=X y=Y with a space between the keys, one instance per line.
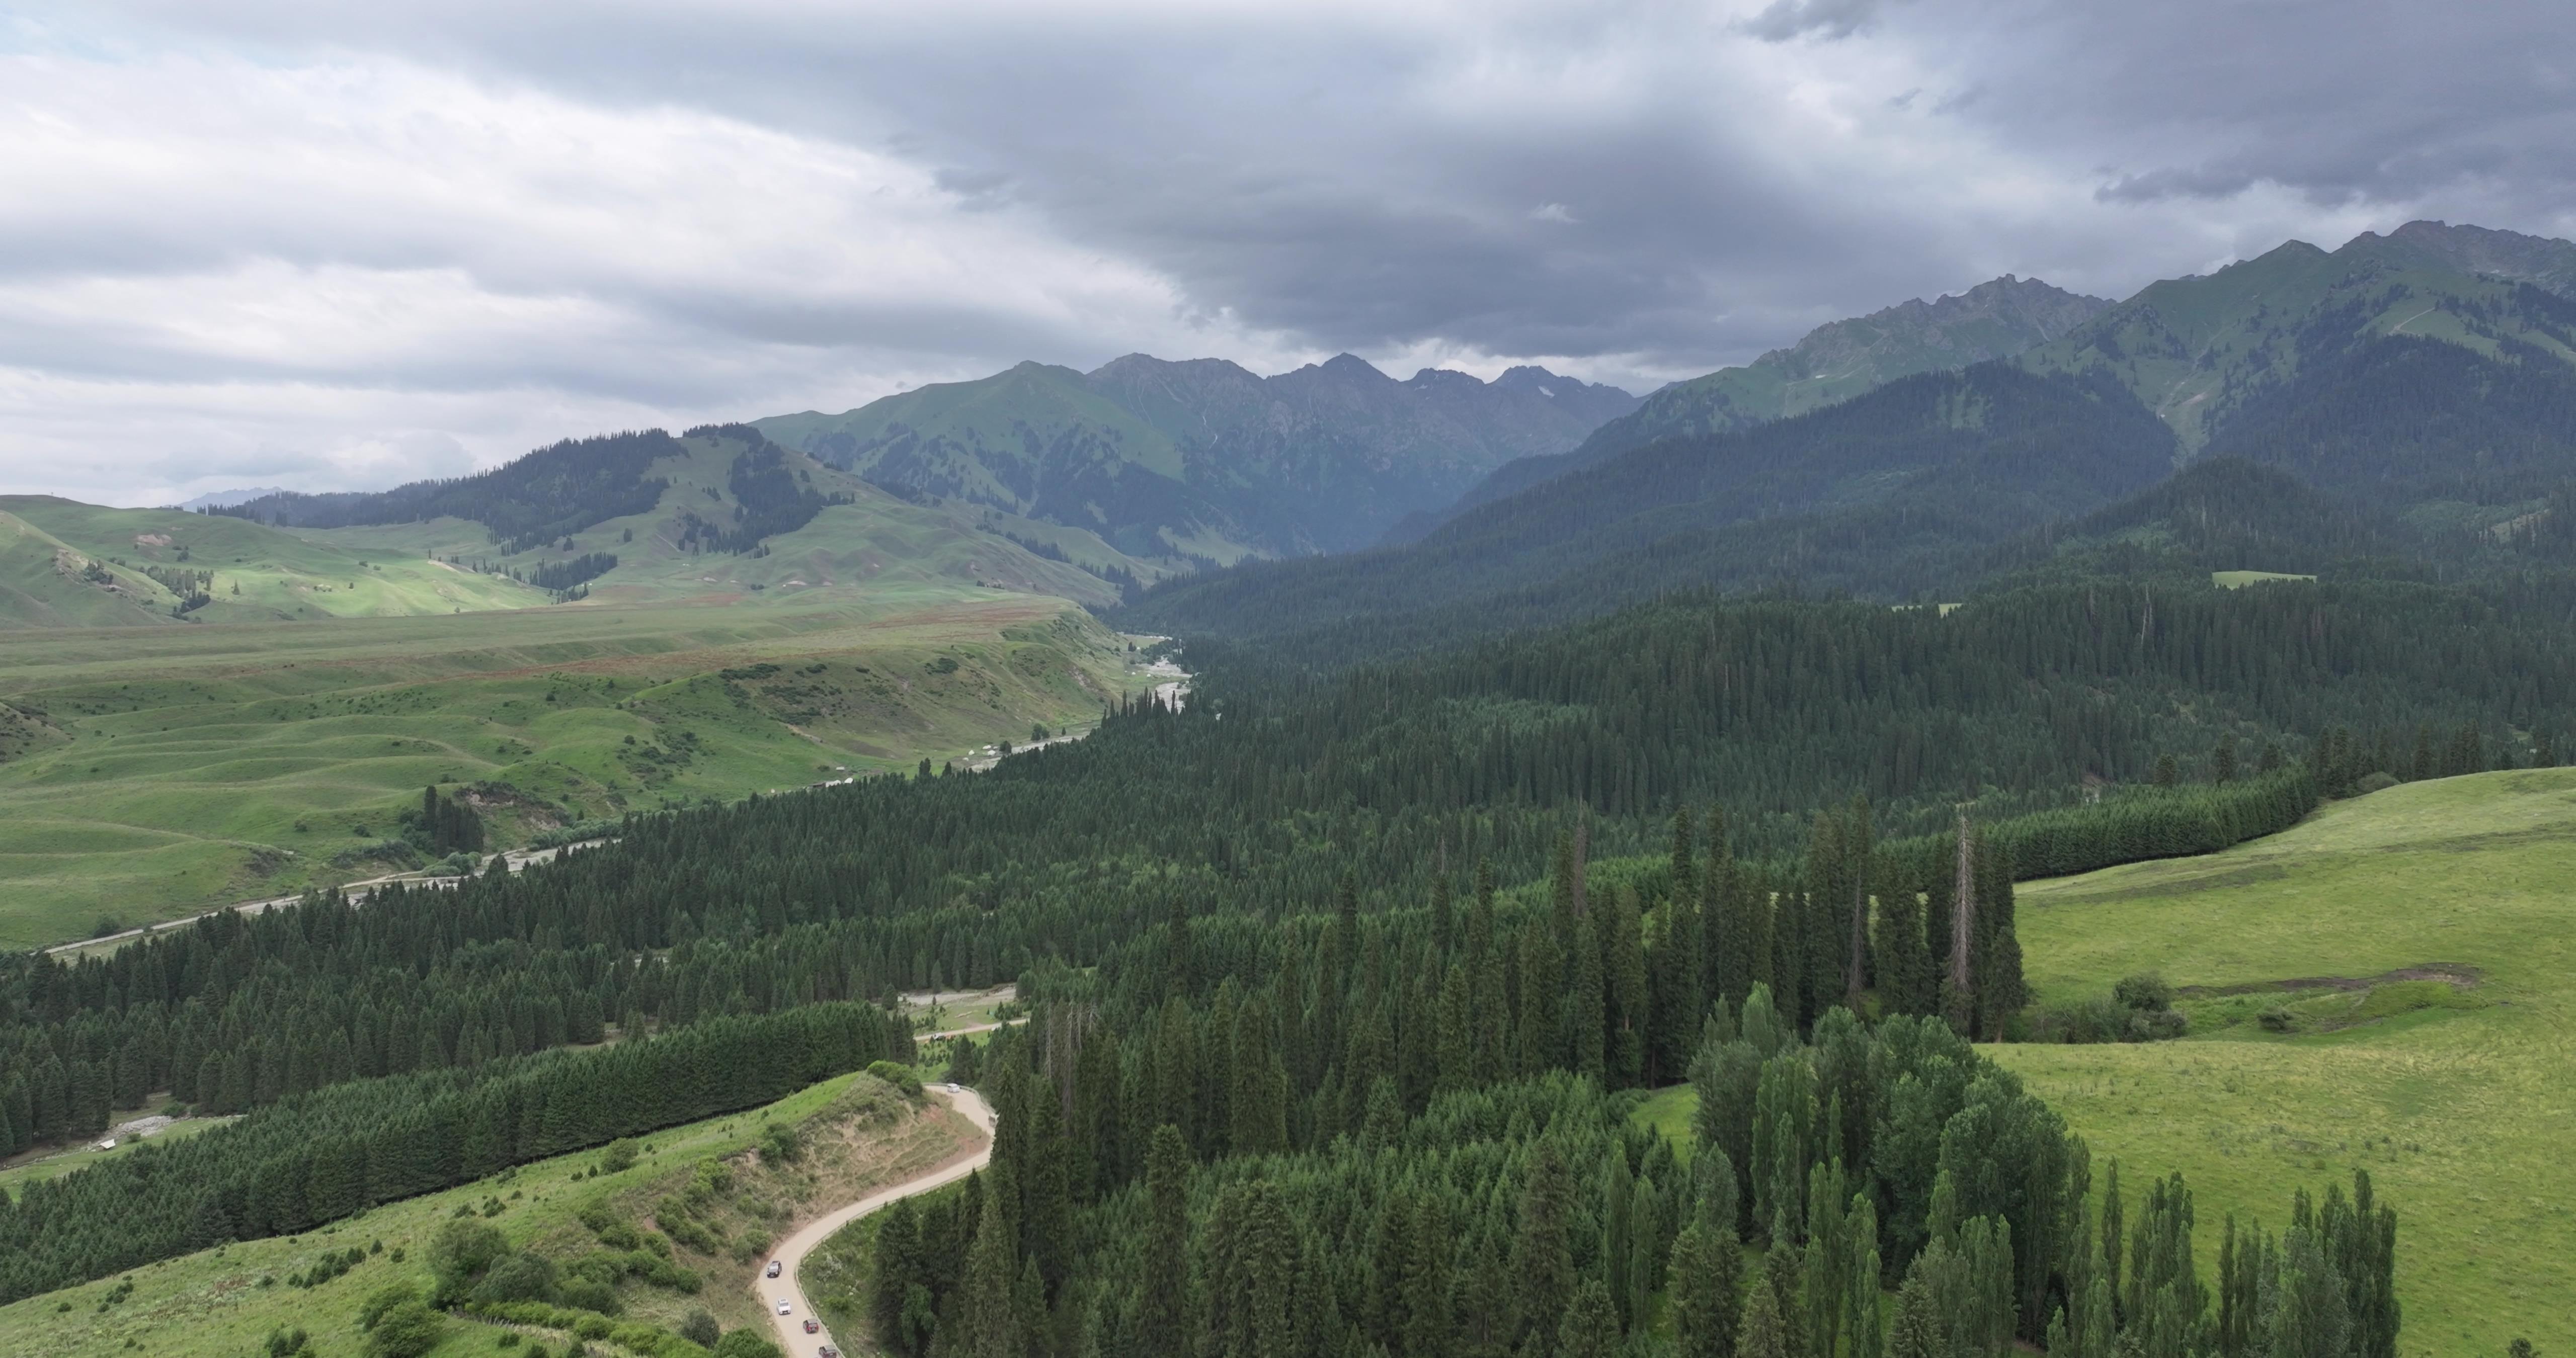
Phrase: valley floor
x=155 y=772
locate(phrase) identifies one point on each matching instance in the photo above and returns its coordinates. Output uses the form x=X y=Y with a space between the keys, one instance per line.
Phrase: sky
x=334 y=246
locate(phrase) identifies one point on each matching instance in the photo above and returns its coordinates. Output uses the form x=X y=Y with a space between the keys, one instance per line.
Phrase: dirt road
x=518 y=860
x=791 y=1252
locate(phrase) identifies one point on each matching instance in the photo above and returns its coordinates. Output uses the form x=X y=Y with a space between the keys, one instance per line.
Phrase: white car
x=784 y=1308
x=773 y=1269
x=952 y=1087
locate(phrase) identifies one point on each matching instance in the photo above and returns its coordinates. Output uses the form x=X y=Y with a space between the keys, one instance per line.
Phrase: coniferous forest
x=1343 y=981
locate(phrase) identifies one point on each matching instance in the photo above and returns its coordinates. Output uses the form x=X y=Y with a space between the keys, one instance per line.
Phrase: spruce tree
x=1160 y=1324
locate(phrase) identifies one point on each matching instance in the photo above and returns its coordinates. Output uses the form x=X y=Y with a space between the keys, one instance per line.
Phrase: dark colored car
x=813 y=1326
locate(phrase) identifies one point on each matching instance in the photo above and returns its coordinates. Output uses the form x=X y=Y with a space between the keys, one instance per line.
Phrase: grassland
x=146 y=772
x=260 y=574
x=2422 y=943
x=875 y=540
x=2456 y=1099
x=223 y=1303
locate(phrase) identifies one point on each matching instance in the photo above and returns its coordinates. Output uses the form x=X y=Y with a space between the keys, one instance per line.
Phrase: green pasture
x=160 y=770
x=2455 y=1097
x=260 y=574
x=222 y=1303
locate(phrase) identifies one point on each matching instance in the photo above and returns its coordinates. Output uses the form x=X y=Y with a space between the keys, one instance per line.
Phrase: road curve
x=791 y=1252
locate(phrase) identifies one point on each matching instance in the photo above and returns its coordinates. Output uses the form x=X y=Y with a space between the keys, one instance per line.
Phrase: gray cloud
x=1782 y=20
x=487 y=213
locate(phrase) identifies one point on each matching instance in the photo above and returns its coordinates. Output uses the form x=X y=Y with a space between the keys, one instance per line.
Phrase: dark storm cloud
x=1637 y=191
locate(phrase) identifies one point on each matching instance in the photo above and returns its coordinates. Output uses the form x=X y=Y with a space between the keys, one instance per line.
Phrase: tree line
x=321 y=1156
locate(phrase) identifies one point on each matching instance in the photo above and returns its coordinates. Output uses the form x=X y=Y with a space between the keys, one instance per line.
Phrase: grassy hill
x=66 y=564
x=155 y=771
x=2451 y=1086
x=223 y=1303
x=151 y=766
x=864 y=537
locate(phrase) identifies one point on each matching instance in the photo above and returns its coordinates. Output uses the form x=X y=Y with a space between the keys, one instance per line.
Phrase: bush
x=897 y=1074
x=591 y=1295
x=2145 y=990
x=459 y=1253
x=2278 y=1019
x=618 y=1156
x=780 y=1143
x=517 y=1277
x=406 y=1331
x=700 y=1329
x=746 y=1343
x=385 y=1299
x=2380 y=781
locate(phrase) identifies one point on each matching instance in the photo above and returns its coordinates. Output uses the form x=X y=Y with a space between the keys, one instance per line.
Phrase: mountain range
x=1203 y=460
x=2407 y=401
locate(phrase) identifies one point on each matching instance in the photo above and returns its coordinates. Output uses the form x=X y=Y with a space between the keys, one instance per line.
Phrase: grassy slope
x=877 y=540
x=169 y=768
x=261 y=574
x=147 y=771
x=2458 y=1113
x=213 y=1304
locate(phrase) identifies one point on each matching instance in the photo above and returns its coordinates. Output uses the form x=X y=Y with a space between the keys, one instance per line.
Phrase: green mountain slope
x=1877 y=494
x=1833 y=362
x=720 y=513
x=2199 y=350
x=1203 y=459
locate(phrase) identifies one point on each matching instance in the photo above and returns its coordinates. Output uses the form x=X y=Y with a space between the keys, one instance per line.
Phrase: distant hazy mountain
x=2371 y=410
x=1872 y=495
x=1202 y=457
x=2198 y=351
x=1834 y=362
x=226 y=499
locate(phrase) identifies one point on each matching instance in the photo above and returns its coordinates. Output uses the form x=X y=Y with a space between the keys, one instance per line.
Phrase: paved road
x=792 y=1251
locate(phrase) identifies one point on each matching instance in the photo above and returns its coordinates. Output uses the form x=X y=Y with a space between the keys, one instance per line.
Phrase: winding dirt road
x=791 y=1252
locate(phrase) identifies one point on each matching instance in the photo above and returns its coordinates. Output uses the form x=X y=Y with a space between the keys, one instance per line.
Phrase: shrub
x=2278 y=1019
x=517 y=1277
x=591 y=1295
x=618 y=1156
x=2377 y=782
x=900 y=1076
x=384 y=1299
x=700 y=1329
x=780 y=1143
x=406 y=1331
x=2145 y=990
x=746 y=1343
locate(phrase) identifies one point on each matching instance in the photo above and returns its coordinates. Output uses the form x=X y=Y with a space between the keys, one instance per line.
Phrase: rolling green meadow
x=2419 y=941
x=222 y=1303
x=153 y=765
x=169 y=769
x=2455 y=1099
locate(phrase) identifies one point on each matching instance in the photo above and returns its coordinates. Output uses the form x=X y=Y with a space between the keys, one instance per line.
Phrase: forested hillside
x=1832 y=363
x=1878 y=495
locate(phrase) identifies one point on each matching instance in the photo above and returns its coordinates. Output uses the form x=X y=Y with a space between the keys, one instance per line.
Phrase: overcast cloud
x=326 y=245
